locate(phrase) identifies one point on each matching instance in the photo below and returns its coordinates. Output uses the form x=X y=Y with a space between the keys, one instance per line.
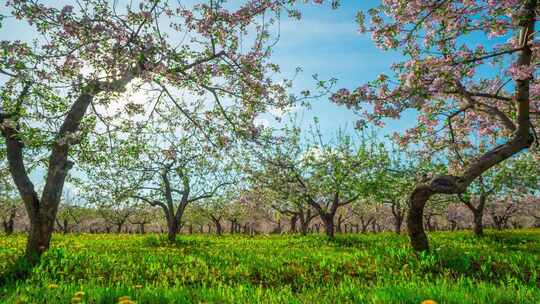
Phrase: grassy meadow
x=502 y=267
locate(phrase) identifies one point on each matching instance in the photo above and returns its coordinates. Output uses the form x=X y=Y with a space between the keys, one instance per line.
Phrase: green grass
x=503 y=267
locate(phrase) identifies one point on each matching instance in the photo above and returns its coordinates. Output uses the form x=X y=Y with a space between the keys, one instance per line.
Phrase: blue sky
x=327 y=42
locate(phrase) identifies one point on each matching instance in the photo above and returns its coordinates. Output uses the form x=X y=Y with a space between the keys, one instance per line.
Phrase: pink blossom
x=521 y=72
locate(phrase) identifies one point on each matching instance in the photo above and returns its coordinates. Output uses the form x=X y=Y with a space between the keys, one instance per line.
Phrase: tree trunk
x=172 y=227
x=219 y=229
x=294 y=219
x=505 y=223
x=305 y=220
x=119 y=227
x=328 y=225
x=478 y=225
x=478 y=213
x=39 y=237
x=278 y=227
x=374 y=226
x=304 y=227
x=141 y=228
x=233 y=226
x=398 y=222
x=415 y=220
x=339 y=228
x=397 y=225
x=365 y=227
x=429 y=225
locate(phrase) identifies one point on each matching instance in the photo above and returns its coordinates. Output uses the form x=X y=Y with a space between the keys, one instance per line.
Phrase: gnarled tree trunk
x=521 y=139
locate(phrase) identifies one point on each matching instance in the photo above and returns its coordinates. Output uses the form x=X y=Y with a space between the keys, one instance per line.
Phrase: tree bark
x=477 y=211
x=119 y=227
x=233 y=226
x=278 y=228
x=65 y=226
x=398 y=213
x=374 y=226
x=39 y=237
x=478 y=222
x=453 y=225
x=219 y=229
x=398 y=222
x=328 y=221
x=339 y=223
x=141 y=228
x=172 y=230
x=305 y=219
x=304 y=227
x=294 y=219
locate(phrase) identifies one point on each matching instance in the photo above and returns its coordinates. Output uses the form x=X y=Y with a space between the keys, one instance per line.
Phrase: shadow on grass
x=510 y=238
x=162 y=241
x=19 y=271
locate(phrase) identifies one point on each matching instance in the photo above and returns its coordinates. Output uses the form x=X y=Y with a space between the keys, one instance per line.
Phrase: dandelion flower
x=76 y=300
x=79 y=294
x=429 y=302
x=125 y=300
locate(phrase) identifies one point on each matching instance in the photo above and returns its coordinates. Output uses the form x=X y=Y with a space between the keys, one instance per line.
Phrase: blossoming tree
x=326 y=175
x=56 y=87
x=468 y=72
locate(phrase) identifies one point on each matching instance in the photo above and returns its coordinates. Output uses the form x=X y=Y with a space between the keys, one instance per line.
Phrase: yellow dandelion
x=52 y=286
x=79 y=294
x=429 y=302
x=76 y=300
x=125 y=300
